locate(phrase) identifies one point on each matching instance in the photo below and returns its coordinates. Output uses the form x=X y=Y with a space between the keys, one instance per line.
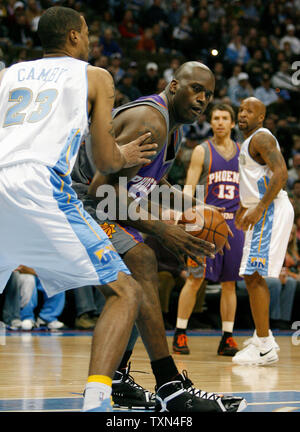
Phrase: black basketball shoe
x=228 y=347
x=181 y=396
x=126 y=393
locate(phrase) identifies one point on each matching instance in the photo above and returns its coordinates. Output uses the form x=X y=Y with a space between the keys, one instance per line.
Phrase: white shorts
x=266 y=244
x=44 y=226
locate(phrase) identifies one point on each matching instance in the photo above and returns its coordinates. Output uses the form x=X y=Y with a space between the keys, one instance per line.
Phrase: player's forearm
x=110 y=161
x=277 y=182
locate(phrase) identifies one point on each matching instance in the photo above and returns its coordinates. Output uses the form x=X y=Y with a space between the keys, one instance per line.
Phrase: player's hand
x=138 y=152
x=182 y=244
x=25 y=270
x=251 y=217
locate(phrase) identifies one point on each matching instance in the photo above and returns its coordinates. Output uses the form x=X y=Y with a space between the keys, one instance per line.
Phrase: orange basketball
x=212 y=229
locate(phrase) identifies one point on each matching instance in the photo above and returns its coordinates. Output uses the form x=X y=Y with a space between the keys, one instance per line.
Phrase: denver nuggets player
x=45 y=107
x=266 y=215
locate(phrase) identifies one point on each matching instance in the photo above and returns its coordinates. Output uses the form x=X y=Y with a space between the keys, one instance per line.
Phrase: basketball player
x=214 y=164
x=266 y=215
x=184 y=99
x=44 y=112
x=46 y=106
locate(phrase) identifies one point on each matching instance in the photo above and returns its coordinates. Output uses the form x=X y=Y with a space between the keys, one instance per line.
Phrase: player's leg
x=229 y=274
x=111 y=335
x=228 y=302
x=186 y=304
x=174 y=391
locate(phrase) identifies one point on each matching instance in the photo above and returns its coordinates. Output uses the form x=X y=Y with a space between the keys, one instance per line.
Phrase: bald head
x=189 y=69
x=251 y=114
x=257 y=104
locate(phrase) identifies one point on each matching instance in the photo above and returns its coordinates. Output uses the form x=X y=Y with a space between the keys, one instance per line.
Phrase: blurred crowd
x=252 y=46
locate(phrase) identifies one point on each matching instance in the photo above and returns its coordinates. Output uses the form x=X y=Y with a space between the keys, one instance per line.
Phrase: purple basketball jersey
x=222 y=183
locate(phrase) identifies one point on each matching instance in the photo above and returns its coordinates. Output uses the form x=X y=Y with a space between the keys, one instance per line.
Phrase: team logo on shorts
x=106 y=254
x=109 y=229
x=258 y=262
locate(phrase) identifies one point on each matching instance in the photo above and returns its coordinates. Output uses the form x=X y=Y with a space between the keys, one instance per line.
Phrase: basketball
x=212 y=229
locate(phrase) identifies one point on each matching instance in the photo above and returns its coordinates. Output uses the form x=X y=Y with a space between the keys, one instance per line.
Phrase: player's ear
x=173 y=86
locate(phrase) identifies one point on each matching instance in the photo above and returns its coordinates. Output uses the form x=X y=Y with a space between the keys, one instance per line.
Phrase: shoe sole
x=133 y=407
x=181 y=352
x=255 y=363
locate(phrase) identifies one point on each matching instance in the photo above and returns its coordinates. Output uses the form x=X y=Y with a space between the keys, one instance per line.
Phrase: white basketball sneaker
x=256 y=354
x=254 y=338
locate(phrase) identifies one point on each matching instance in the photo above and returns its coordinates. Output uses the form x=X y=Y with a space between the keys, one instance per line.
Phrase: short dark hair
x=55 y=24
x=223 y=107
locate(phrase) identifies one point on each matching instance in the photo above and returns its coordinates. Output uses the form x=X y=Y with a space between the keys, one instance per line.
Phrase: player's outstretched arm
x=108 y=156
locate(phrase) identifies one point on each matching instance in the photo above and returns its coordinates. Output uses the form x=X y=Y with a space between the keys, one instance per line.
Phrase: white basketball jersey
x=43 y=112
x=254 y=177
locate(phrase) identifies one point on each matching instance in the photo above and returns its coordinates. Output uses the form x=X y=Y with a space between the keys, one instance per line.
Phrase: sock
x=124 y=361
x=97 y=389
x=266 y=343
x=164 y=370
x=181 y=325
x=227 y=326
x=226 y=335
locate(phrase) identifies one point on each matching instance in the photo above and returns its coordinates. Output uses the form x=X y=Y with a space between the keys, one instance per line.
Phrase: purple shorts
x=223 y=268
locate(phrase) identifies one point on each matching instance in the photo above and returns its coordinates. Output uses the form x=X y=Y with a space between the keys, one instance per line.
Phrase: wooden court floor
x=47 y=371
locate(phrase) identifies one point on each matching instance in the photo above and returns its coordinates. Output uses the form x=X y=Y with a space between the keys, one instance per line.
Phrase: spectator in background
x=169 y=72
x=133 y=71
x=174 y=14
x=281 y=107
x=221 y=85
x=155 y=14
x=115 y=67
x=11 y=305
x=236 y=52
x=106 y=22
x=95 y=51
x=182 y=34
x=147 y=82
x=294 y=172
x=51 y=308
x=295 y=196
x=89 y=303
x=241 y=91
x=291 y=39
x=233 y=80
x=162 y=39
x=120 y=98
x=161 y=85
x=20 y=33
x=146 y=43
x=126 y=87
x=216 y=11
x=265 y=92
x=254 y=68
x=266 y=48
x=129 y=28
x=109 y=44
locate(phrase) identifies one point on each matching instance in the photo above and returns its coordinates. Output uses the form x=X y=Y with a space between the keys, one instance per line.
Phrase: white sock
x=182 y=323
x=266 y=343
x=94 y=394
x=227 y=326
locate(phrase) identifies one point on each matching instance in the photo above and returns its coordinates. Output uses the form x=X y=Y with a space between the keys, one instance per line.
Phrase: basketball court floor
x=46 y=372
